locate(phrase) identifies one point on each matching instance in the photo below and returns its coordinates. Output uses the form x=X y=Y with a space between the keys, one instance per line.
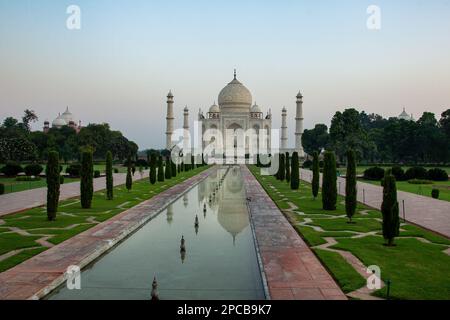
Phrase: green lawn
x=417 y=270
x=421 y=189
x=11 y=185
x=71 y=219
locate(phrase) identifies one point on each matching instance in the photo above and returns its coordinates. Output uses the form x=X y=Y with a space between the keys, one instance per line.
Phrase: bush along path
x=25 y=234
x=348 y=249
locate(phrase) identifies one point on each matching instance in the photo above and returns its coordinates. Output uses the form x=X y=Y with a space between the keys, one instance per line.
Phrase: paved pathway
x=36 y=277
x=292 y=270
x=427 y=212
x=20 y=201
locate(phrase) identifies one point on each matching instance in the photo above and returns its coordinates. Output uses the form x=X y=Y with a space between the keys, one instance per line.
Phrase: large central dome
x=235 y=95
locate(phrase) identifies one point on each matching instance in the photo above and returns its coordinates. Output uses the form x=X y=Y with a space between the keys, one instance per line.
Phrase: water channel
x=220 y=261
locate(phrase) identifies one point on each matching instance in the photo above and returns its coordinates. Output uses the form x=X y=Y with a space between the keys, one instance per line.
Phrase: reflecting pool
x=220 y=261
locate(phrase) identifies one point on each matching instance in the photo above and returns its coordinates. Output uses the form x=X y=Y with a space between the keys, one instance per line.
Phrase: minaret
x=186 y=146
x=170 y=118
x=284 y=138
x=299 y=126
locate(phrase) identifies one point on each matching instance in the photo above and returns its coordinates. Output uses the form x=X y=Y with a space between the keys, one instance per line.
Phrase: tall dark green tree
x=329 y=189
x=390 y=210
x=315 y=184
x=295 y=172
x=129 y=178
x=174 y=168
x=87 y=179
x=52 y=173
x=282 y=171
x=160 y=170
x=109 y=176
x=168 y=173
x=350 y=185
x=152 y=169
x=288 y=168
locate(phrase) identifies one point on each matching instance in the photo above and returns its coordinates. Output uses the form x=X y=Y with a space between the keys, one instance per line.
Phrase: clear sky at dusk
x=119 y=67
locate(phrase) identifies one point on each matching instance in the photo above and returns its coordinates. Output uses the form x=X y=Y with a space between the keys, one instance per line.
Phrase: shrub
x=74 y=170
x=152 y=175
x=161 y=170
x=87 y=181
x=295 y=172
x=435 y=193
x=374 y=173
x=420 y=181
x=315 y=184
x=53 y=185
x=329 y=188
x=2 y=188
x=28 y=179
x=307 y=164
x=129 y=178
x=61 y=179
x=398 y=173
x=389 y=210
x=416 y=173
x=97 y=174
x=437 y=174
x=33 y=169
x=11 y=169
x=350 y=186
x=288 y=168
x=282 y=168
x=141 y=163
x=109 y=177
x=168 y=172
x=116 y=170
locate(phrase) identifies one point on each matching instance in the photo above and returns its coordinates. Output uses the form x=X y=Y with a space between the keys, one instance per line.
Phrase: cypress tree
x=174 y=168
x=389 y=209
x=288 y=168
x=129 y=179
x=282 y=171
x=87 y=179
x=315 y=184
x=329 y=189
x=350 y=185
x=168 y=169
x=152 y=169
x=295 y=172
x=53 y=185
x=160 y=170
x=109 y=176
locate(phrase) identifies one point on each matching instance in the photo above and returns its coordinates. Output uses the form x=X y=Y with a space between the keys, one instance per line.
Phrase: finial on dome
x=235 y=74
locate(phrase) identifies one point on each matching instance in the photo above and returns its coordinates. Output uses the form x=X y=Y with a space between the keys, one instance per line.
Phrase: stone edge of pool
x=38 y=276
x=290 y=270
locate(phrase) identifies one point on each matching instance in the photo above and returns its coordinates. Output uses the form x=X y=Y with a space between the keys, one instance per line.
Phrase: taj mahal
x=236 y=110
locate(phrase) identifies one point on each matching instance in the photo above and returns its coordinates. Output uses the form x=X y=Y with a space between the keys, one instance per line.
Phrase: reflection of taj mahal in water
x=228 y=206
x=235 y=111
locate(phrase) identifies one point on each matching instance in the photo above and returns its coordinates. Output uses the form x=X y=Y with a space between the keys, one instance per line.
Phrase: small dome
x=214 y=108
x=235 y=95
x=256 y=109
x=67 y=116
x=59 y=122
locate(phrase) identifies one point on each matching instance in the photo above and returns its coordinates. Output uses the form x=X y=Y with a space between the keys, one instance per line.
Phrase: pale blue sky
x=119 y=67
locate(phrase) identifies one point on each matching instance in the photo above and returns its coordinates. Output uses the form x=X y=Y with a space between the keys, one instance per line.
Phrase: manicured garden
x=22 y=241
x=417 y=266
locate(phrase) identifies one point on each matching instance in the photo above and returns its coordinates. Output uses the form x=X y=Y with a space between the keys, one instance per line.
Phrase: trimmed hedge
x=435 y=193
x=97 y=174
x=28 y=179
x=437 y=174
x=109 y=176
x=419 y=181
x=315 y=184
x=11 y=169
x=2 y=188
x=87 y=179
x=295 y=172
x=53 y=185
x=307 y=164
x=398 y=173
x=74 y=170
x=329 y=188
x=416 y=173
x=390 y=210
x=350 y=186
x=33 y=169
x=374 y=173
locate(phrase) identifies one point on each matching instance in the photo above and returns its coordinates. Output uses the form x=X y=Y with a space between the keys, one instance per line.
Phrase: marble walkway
x=427 y=212
x=24 y=200
x=291 y=269
x=36 y=277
